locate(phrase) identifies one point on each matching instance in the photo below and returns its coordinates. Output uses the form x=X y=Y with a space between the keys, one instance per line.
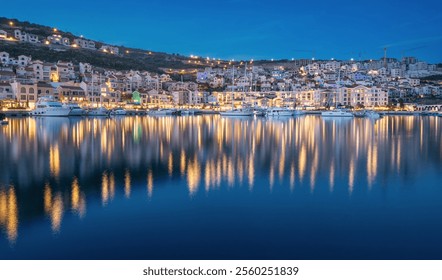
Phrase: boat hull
x=236 y=114
x=56 y=112
x=77 y=112
x=337 y=114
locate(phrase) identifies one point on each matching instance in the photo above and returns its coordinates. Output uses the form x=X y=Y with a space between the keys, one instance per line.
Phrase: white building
x=85 y=44
x=361 y=95
x=4 y=58
x=37 y=67
x=58 y=40
x=6 y=91
x=109 y=49
x=3 y=35
x=25 y=37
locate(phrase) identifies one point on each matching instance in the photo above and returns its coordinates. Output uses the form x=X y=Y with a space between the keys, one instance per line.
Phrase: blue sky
x=246 y=29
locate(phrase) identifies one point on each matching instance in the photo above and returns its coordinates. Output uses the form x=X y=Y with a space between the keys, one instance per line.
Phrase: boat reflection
x=60 y=158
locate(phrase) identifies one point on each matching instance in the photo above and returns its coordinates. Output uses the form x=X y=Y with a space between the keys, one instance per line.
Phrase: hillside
x=129 y=58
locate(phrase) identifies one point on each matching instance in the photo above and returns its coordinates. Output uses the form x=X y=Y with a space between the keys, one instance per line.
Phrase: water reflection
x=62 y=157
x=9 y=213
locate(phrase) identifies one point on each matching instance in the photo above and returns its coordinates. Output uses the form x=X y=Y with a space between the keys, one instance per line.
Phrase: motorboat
x=162 y=112
x=360 y=114
x=259 y=112
x=237 y=113
x=98 y=112
x=190 y=112
x=297 y=112
x=373 y=114
x=76 y=110
x=49 y=107
x=279 y=112
x=118 y=112
x=337 y=113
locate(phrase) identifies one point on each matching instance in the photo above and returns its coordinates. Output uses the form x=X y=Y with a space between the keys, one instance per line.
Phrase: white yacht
x=98 y=112
x=360 y=114
x=372 y=114
x=337 y=113
x=48 y=107
x=190 y=112
x=76 y=110
x=279 y=112
x=297 y=112
x=118 y=112
x=162 y=112
x=259 y=112
x=237 y=113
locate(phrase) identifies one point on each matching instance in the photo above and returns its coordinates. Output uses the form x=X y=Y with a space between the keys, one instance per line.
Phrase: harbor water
x=212 y=187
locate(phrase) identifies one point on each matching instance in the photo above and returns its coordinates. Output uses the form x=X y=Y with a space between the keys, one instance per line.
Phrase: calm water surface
x=208 y=187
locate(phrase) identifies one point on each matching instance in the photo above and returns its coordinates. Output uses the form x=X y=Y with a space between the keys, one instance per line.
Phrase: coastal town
x=308 y=84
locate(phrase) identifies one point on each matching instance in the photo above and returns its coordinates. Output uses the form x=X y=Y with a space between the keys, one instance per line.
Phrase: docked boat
x=234 y=112
x=162 y=112
x=259 y=112
x=48 y=107
x=337 y=113
x=4 y=122
x=98 y=112
x=279 y=112
x=360 y=114
x=76 y=110
x=118 y=112
x=190 y=112
x=299 y=112
x=373 y=115
x=237 y=113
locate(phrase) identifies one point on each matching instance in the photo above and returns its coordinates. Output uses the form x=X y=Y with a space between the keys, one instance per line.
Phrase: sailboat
x=236 y=112
x=337 y=112
x=99 y=111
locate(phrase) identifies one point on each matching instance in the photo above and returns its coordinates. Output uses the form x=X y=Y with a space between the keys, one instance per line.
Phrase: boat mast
x=338 y=89
x=101 y=95
x=233 y=85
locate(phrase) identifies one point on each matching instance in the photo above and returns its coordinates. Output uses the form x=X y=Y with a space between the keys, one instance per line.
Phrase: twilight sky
x=246 y=29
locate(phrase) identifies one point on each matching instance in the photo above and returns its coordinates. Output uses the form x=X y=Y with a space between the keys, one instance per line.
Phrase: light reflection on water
x=61 y=164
